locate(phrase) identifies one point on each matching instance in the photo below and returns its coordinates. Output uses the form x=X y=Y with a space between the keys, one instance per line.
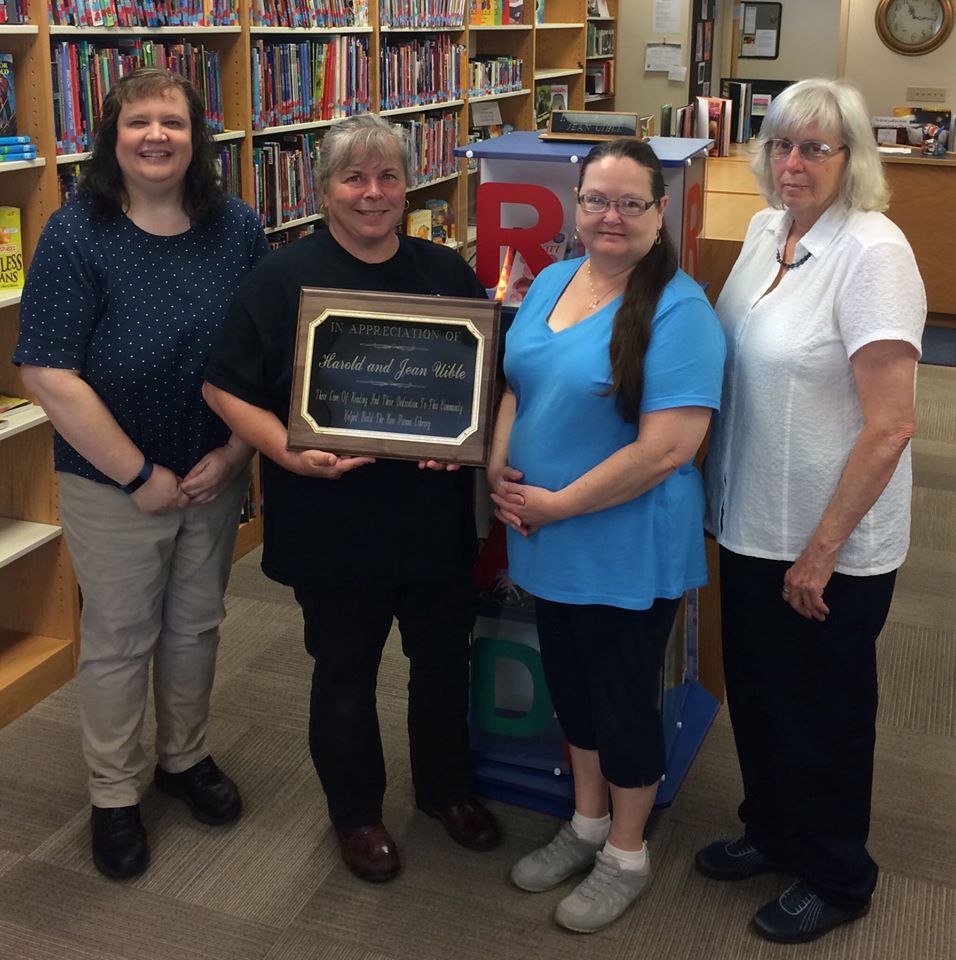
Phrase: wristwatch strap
x=146 y=471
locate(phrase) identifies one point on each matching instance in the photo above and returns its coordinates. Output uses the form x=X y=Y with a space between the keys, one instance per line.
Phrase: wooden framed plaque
x=394 y=375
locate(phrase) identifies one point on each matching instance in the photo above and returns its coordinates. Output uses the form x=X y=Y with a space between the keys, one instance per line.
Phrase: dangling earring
x=657 y=239
x=407 y=204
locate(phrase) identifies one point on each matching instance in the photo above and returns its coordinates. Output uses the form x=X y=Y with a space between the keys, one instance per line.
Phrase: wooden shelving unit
x=40 y=611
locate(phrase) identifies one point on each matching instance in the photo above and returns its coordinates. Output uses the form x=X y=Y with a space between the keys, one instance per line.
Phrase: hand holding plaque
x=394 y=375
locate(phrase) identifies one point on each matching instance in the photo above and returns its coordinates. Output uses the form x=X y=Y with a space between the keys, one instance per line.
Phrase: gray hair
x=832 y=105
x=353 y=139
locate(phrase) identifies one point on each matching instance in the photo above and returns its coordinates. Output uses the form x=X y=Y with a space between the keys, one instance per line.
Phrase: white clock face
x=914 y=21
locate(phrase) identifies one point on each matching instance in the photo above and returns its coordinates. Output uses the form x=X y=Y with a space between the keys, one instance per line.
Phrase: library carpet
x=272 y=887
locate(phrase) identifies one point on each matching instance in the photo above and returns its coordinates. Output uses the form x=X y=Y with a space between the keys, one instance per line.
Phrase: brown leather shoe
x=370 y=853
x=468 y=823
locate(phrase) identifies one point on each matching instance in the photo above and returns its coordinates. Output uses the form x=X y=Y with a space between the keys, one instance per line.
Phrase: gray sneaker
x=603 y=896
x=546 y=867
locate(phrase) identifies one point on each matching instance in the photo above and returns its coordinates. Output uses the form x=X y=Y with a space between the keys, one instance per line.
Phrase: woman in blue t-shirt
x=127 y=289
x=614 y=365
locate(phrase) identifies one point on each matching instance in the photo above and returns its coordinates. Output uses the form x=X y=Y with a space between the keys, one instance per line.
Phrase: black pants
x=603 y=666
x=345 y=633
x=802 y=697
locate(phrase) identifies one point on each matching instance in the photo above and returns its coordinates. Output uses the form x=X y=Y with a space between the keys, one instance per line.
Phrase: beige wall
x=882 y=75
x=811 y=46
x=809 y=41
x=637 y=91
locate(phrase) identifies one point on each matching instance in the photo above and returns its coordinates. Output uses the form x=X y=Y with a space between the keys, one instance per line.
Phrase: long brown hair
x=631 y=333
x=102 y=178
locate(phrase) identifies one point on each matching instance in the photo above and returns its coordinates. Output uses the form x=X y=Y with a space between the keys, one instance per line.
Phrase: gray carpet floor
x=271 y=887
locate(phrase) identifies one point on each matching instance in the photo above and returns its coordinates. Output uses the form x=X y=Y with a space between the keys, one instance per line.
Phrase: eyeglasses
x=626 y=206
x=813 y=150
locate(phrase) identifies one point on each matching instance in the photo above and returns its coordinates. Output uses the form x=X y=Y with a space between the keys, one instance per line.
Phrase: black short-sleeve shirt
x=387 y=522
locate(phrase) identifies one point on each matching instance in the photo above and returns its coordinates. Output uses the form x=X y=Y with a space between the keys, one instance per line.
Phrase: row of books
x=143 y=13
x=13 y=145
x=599 y=78
x=420 y=71
x=742 y=103
x=432 y=141
x=496 y=12
x=17 y=148
x=11 y=11
x=227 y=161
x=432 y=221
x=322 y=78
x=710 y=118
x=489 y=74
x=309 y=13
x=284 y=237
x=228 y=164
x=421 y=13
x=83 y=73
x=600 y=40
x=284 y=178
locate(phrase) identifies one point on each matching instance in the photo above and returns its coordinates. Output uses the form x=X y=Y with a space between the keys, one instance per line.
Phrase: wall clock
x=914 y=27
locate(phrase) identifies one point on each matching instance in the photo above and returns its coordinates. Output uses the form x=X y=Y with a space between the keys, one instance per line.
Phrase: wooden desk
x=922 y=204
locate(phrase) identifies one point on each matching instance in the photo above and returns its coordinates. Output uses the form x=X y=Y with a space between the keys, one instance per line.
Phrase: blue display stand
x=544 y=173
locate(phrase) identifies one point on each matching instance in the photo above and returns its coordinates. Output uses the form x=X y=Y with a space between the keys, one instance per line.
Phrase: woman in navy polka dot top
x=124 y=297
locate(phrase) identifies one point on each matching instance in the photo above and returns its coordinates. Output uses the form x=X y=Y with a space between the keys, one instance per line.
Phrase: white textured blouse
x=790 y=412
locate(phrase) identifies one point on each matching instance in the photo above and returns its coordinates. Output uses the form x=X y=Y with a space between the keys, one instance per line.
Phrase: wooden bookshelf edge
x=31 y=668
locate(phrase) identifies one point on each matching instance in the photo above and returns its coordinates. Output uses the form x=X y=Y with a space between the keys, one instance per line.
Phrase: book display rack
x=273 y=74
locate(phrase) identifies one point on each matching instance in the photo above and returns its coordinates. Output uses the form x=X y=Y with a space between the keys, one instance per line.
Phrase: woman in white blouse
x=808 y=485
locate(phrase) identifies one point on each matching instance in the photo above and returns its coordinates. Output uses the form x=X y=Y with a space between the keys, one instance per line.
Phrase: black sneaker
x=120 y=850
x=799 y=914
x=735 y=859
x=212 y=797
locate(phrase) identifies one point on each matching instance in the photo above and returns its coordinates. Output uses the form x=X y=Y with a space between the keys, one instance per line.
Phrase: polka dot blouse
x=137 y=315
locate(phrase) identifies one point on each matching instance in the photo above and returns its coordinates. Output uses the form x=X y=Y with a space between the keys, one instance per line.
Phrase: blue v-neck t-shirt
x=652 y=546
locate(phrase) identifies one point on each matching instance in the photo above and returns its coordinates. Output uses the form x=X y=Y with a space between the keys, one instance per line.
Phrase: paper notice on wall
x=750 y=19
x=666 y=17
x=662 y=56
x=678 y=73
x=765 y=43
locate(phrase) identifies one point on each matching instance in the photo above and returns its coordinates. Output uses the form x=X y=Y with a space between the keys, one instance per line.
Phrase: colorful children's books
x=11 y=249
x=418 y=223
x=8 y=97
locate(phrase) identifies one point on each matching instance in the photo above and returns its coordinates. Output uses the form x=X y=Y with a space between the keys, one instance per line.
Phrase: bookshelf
x=39 y=614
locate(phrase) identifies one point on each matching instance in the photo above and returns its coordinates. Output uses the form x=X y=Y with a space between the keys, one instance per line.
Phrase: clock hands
x=916 y=16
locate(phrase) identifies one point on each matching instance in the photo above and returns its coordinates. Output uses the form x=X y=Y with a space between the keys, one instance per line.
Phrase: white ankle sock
x=592 y=829
x=628 y=859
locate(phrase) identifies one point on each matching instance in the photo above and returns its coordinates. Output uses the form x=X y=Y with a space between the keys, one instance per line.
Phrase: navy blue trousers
x=802 y=696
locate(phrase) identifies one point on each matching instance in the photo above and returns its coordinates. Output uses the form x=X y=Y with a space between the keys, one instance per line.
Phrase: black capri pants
x=603 y=666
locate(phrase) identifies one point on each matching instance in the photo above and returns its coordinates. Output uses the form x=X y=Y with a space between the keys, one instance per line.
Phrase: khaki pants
x=152 y=588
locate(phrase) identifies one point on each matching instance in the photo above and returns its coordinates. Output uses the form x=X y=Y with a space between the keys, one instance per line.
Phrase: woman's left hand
x=805 y=581
x=527 y=508
x=213 y=473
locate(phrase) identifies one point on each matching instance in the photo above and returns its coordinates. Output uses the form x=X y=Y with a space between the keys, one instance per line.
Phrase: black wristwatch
x=146 y=471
